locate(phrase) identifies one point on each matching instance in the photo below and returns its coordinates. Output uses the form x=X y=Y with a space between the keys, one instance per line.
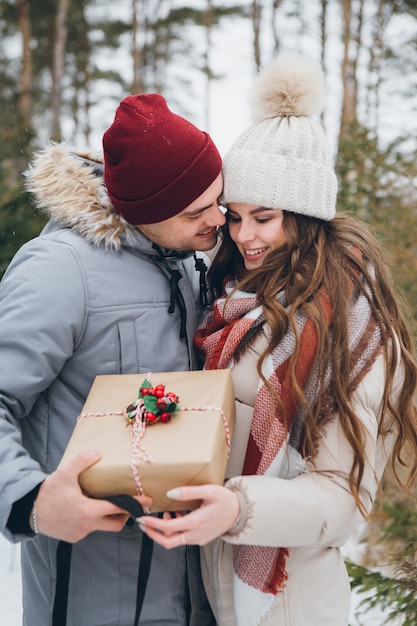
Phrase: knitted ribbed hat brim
x=282 y=174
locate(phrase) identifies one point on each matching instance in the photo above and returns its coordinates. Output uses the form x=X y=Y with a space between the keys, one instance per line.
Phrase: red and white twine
x=138 y=431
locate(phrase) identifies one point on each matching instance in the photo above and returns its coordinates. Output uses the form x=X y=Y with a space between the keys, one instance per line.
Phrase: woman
x=323 y=370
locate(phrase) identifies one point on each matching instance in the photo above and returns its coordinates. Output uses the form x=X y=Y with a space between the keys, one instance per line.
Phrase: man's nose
x=216 y=216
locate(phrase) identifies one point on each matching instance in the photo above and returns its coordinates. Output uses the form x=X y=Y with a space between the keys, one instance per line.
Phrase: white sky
x=232 y=58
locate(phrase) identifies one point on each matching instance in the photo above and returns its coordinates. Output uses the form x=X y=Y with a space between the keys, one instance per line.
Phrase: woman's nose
x=244 y=232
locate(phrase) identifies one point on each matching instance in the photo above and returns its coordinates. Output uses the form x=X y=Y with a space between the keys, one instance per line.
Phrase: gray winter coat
x=86 y=297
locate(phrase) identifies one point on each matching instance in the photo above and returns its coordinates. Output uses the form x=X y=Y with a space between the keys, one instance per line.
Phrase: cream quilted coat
x=310 y=512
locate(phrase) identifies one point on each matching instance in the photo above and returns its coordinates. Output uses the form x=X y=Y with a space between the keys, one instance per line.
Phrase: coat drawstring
x=176 y=297
x=201 y=267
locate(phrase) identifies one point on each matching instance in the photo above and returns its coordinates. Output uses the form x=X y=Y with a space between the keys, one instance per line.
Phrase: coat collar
x=68 y=187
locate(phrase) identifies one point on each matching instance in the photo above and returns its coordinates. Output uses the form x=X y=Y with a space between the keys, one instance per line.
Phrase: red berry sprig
x=159 y=405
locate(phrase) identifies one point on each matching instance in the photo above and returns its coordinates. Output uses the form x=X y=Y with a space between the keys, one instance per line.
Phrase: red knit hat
x=156 y=163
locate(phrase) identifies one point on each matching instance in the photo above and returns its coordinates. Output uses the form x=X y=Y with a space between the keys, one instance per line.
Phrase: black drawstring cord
x=176 y=297
x=63 y=565
x=173 y=283
x=201 y=267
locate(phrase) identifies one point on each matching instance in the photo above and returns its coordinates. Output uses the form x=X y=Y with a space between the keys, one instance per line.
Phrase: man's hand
x=65 y=513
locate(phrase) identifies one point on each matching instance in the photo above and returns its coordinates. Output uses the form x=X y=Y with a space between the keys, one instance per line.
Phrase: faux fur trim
x=69 y=190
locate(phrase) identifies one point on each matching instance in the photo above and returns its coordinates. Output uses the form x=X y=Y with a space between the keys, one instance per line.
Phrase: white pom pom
x=291 y=85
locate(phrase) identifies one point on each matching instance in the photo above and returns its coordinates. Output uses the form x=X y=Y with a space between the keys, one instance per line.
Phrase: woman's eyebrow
x=260 y=209
x=255 y=211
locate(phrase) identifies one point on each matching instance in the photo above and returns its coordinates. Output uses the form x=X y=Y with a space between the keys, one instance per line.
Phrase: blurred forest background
x=65 y=65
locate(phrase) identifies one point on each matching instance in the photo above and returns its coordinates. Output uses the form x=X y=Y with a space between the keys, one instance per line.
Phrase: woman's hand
x=217 y=513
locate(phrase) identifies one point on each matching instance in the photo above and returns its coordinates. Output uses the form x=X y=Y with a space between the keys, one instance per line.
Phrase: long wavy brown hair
x=334 y=255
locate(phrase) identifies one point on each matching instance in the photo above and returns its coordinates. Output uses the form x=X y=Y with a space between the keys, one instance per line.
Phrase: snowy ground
x=10 y=587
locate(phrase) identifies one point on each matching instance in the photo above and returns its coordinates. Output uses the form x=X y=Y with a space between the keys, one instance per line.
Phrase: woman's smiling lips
x=254 y=252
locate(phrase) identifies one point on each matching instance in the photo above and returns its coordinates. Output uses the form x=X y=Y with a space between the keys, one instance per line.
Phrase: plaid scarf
x=260 y=572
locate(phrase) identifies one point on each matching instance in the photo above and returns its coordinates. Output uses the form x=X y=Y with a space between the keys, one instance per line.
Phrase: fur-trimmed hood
x=68 y=187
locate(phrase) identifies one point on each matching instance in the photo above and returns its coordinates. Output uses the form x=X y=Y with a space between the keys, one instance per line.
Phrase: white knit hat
x=282 y=160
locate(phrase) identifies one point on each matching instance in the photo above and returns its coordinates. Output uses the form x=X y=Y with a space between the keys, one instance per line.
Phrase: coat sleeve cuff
x=240 y=523
x=18 y=522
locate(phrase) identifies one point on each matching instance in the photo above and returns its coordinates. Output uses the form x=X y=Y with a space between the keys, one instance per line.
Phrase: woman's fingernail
x=173 y=493
x=141 y=524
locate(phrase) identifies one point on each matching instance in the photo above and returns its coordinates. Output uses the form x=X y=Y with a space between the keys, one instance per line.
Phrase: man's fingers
x=80 y=462
x=145 y=501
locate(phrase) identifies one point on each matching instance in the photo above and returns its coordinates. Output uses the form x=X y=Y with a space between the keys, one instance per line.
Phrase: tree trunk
x=208 y=25
x=58 y=65
x=323 y=27
x=137 y=49
x=256 y=24
x=275 y=29
x=377 y=52
x=26 y=78
x=81 y=99
x=351 y=46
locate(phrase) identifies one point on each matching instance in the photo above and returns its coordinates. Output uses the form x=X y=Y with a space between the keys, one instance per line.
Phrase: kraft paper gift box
x=191 y=449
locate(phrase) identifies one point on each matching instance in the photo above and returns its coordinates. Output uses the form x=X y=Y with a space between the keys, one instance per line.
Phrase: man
x=111 y=286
